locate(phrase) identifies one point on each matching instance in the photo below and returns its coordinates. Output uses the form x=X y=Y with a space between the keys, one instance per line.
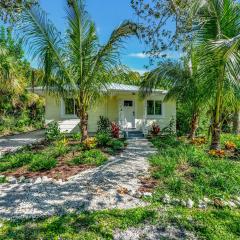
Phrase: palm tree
x=219 y=38
x=183 y=85
x=76 y=66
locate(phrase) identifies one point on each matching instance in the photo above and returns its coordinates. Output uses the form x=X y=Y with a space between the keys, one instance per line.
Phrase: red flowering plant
x=155 y=129
x=115 y=129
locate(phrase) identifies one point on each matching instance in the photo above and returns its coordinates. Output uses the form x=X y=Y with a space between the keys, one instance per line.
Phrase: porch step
x=133 y=134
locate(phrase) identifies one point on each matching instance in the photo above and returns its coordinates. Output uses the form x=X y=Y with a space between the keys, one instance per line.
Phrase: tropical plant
x=219 y=39
x=53 y=131
x=115 y=129
x=41 y=163
x=104 y=124
x=103 y=138
x=183 y=84
x=77 y=65
x=155 y=129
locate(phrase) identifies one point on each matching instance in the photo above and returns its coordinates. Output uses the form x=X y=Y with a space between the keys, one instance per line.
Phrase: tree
x=76 y=65
x=10 y=9
x=183 y=84
x=155 y=17
x=219 y=61
x=11 y=64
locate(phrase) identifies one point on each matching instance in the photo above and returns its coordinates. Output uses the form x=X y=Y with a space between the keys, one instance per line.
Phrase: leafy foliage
x=93 y=157
x=41 y=163
x=19 y=109
x=155 y=129
x=115 y=129
x=187 y=171
x=10 y=9
x=103 y=138
x=53 y=131
x=104 y=124
x=89 y=143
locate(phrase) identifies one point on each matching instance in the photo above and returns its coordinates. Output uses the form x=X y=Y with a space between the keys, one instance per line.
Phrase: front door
x=128 y=114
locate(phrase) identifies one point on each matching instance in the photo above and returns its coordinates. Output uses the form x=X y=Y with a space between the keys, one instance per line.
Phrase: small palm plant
x=75 y=66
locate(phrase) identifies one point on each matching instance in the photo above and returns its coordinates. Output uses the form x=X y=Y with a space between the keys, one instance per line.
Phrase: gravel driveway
x=14 y=142
x=95 y=189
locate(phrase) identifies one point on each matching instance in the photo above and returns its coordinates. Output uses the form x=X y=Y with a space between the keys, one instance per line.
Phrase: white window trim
x=154 y=115
x=63 y=113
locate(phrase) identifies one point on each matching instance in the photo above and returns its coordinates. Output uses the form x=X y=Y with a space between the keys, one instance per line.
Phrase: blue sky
x=107 y=14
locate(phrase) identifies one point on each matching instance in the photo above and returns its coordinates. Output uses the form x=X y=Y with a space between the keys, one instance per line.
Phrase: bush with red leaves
x=155 y=129
x=115 y=129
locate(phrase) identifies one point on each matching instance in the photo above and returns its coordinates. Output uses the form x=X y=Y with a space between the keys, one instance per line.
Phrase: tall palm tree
x=183 y=84
x=76 y=65
x=220 y=57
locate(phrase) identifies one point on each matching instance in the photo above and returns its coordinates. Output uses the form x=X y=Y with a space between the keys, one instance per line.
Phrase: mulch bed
x=62 y=171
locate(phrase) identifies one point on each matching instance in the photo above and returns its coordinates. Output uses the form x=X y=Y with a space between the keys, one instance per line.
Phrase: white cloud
x=165 y=54
x=138 y=55
x=140 y=71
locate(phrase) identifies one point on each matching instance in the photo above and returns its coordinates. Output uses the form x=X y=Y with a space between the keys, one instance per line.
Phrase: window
x=128 y=103
x=158 y=108
x=69 y=106
x=154 y=107
x=150 y=107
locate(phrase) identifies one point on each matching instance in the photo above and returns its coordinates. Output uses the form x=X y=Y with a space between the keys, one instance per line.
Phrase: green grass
x=41 y=163
x=85 y=226
x=209 y=224
x=93 y=157
x=186 y=171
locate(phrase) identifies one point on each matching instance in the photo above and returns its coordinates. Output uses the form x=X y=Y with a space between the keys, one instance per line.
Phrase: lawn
x=185 y=170
x=84 y=226
x=182 y=170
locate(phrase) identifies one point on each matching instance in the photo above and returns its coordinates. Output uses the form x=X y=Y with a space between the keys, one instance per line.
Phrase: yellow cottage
x=121 y=104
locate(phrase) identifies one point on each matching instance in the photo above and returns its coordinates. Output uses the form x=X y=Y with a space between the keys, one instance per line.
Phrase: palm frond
x=45 y=44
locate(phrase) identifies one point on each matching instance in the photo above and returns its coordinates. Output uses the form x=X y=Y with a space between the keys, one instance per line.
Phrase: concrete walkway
x=15 y=142
x=95 y=189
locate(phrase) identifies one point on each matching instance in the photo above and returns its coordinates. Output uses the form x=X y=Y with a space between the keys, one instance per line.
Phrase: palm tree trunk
x=236 y=122
x=216 y=126
x=84 y=125
x=83 y=117
x=194 y=125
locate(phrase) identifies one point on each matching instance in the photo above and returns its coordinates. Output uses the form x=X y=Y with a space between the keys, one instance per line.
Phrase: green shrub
x=15 y=161
x=94 y=156
x=116 y=144
x=103 y=138
x=3 y=179
x=77 y=136
x=53 y=131
x=104 y=124
x=61 y=147
x=41 y=163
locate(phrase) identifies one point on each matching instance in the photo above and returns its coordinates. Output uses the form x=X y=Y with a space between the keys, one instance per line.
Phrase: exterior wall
x=53 y=108
x=109 y=107
x=168 y=113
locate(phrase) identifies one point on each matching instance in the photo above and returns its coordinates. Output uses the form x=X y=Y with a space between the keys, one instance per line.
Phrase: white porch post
x=145 y=118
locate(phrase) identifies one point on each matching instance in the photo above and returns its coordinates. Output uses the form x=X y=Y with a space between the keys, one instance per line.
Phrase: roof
x=117 y=87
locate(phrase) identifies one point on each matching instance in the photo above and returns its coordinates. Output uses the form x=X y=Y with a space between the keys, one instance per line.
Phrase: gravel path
x=14 y=142
x=94 y=189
